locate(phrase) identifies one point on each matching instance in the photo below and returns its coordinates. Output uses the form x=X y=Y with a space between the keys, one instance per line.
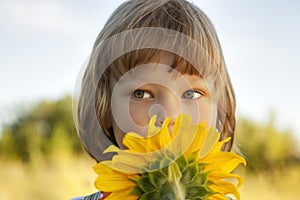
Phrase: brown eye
x=191 y=94
x=140 y=94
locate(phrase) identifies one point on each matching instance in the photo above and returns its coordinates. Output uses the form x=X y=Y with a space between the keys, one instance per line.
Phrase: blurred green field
x=41 y=157
x=61 y=178
x=275 y=185
x=65 y=177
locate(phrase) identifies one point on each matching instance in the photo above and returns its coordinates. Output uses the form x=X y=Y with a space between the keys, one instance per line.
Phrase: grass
x=275 y=185
x=65 y=177
x=56 y=179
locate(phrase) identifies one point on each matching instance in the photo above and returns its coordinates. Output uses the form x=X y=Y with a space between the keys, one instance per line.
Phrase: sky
x=44 y=43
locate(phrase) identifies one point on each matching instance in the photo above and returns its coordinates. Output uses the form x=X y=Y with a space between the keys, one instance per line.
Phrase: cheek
x=208 y=113
x=202 y=111
x=139 y=113
x=128 y=117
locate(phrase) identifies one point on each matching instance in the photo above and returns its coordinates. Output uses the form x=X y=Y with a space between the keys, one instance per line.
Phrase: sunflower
x=185 y=164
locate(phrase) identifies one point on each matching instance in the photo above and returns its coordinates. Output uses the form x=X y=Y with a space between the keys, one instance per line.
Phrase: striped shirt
x=95 y=196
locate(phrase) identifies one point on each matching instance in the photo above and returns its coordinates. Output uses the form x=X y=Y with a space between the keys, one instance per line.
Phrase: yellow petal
x=121 y=166
x=152 y=129
x=160 y=140
x=136 y=161
x=217 y=176
x=126 y=160
x=111 y=148
x=113 y=183
x=124 y=194
x=111 y=180
x=151 y=143
x=224 y=162
x=135 y=142
x=100 y=168
x=186 y=137
x=181 y=122
x=219 y=145
x=127 y=164
x=224 y=188
x=217 y=197
x=198 y=139
x=209 y=142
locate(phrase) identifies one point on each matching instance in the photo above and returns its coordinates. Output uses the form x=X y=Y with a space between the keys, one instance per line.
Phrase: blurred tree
x=264 y=146
x=47 y=128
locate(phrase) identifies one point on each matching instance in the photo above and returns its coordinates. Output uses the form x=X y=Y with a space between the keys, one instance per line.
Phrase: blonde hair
x=176 y=15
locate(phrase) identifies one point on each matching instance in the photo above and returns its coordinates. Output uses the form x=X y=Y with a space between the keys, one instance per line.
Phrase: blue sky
x=44 y=43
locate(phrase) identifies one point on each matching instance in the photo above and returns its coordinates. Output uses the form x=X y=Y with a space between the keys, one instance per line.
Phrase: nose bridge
x=171 y=104
x=167 y=104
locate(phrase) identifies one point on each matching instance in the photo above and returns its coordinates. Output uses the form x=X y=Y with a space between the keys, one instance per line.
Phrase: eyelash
x=194 y=91
x=136 y=94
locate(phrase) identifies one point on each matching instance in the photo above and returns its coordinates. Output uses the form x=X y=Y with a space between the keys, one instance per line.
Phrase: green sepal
x=153 y=165
x=165 y=162
x=184 y=178
x=198 y=191
x=136 y=191
x=144 y=184
x=152 y=195
x=189 y=173
x=181 y=162
x=174 y=173
x=192 y=157
x=167 y=191
x=200 y=178
x=201 y=166
x=157 y=178
x=169 y=154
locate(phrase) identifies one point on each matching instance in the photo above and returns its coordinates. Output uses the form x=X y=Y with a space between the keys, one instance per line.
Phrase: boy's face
x=155 y=89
